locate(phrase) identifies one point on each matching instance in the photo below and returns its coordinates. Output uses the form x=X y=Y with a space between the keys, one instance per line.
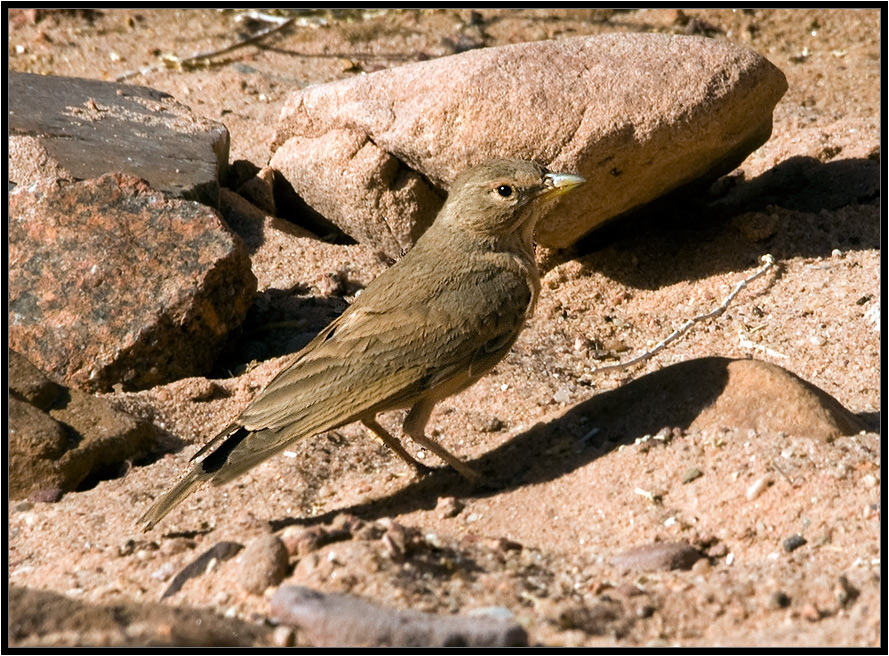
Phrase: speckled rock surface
x=111 y=282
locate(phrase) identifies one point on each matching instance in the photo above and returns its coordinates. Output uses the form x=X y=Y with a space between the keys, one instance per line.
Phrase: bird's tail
x=216 y=453
x=171 y=499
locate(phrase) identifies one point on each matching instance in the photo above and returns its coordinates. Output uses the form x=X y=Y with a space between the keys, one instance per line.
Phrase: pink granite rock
x=112 y=282
x=638 y=115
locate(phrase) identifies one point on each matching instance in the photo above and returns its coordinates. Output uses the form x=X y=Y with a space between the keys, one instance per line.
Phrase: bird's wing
x=386 y=356
x=326 y=388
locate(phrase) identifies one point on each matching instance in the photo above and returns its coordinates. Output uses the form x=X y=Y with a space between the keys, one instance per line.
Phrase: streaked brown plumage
x=427 y=328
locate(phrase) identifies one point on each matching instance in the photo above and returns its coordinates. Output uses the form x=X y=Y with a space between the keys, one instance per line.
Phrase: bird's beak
x=557 y=184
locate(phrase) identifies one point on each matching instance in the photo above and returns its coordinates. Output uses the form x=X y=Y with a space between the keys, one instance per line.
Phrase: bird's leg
x=415 y=427
x=394 y=444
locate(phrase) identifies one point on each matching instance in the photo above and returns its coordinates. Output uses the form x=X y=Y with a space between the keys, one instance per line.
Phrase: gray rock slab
x=341 y=620
x=77 y=129
x=638 y=115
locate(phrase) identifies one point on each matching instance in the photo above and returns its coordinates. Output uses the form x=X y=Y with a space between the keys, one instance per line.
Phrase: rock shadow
x=669 y=398
x=812 y=208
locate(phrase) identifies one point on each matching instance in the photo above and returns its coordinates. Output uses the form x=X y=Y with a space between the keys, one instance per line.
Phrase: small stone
x=869 y=480
x=756 y=226
x=177 y=545
x=47 y=495
x=691 y=475
x=501 y=545
x=490 y=425
x=264 y=563
x=718 y=550
x=811 y=613
x=759 y=486
x=701 y=567
x=846 y=593
x=793 y=543
x=448 y=507
x=778 y=599
x=260 y=190
x=283 y=636
x=562 y=396
x=658 y=556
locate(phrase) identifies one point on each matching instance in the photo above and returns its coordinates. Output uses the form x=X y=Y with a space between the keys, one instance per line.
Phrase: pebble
x=811 y=613
x=46 y=495
x=299 y=541
x=658 y=556
x=448 y=507
x=177 y=545
x=846 y=593
x=562 y=396
x=263 y=564
x=284 y=636
x=778 y=599
x=794 y=542
x=759 y=486
x=691 y=475
x=869 y=481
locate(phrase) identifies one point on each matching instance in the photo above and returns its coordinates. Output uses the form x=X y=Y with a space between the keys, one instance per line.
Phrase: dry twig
x=170 y=61
x=768 y=263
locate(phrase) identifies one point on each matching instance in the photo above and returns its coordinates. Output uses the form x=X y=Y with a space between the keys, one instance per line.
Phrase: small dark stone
x=794 y=542
x=779 y=599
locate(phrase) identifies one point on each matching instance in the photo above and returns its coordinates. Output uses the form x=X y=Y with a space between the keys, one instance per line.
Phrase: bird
x=425 y=329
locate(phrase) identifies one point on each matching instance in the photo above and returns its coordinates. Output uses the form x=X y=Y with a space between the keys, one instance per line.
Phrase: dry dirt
x=540 y=537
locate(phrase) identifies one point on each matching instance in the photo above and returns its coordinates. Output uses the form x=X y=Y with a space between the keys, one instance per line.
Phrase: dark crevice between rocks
x=291 y=207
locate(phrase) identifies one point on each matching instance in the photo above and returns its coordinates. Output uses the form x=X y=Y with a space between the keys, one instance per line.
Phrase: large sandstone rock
x=713 y=393
x=638 y=115
x=111 y=282
x=77 y=129
x=765 y=397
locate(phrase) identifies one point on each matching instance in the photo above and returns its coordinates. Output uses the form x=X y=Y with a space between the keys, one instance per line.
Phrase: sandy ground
x=563 y=499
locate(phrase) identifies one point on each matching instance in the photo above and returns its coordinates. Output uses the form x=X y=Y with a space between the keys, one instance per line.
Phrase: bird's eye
x=505 y=191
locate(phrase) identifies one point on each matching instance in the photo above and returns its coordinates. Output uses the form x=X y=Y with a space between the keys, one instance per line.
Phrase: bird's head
x=504 y=197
